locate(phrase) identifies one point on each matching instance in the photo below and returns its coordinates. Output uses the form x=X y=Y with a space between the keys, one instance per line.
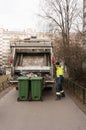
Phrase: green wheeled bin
x=36 y=88
x=23 y=88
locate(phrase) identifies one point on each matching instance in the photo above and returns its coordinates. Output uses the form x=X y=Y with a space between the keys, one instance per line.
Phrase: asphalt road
x=37 y=115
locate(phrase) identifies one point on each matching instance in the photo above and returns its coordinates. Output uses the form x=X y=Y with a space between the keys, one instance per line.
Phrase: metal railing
x=75 y=89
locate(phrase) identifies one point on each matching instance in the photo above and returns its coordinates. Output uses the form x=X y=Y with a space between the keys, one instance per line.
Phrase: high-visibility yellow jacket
x=59 y=71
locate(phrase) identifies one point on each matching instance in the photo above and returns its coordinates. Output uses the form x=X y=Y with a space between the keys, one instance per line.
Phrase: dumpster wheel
x=18 y=99
x=41 y=99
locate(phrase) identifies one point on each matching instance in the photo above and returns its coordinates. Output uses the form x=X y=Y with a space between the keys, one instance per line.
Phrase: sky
x=19 y=14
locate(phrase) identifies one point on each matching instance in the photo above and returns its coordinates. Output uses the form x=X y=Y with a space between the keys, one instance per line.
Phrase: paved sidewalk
x=47 y=115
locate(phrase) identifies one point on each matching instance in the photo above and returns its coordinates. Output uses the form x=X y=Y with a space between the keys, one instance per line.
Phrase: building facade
x=84 y=23
x=84 y=16
x=5 y=37
x=84 y=31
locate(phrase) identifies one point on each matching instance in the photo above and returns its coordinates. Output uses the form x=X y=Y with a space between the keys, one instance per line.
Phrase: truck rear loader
x=32 y=56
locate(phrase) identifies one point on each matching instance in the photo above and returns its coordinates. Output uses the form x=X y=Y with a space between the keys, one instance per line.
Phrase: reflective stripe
x=62 y=91
x=58 y=93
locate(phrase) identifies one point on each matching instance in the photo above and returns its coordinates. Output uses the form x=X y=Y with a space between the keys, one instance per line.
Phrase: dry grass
x=4 y=81
x=4 y=78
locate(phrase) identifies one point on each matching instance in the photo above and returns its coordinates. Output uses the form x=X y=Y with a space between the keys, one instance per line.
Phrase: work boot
x=63 y=95
x=58 y=97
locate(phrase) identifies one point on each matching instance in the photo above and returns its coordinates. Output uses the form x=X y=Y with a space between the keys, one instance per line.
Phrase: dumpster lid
x=23 y=78
x=36 y=78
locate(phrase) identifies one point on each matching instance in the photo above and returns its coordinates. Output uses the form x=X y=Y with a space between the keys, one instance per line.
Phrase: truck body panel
x=32 y=56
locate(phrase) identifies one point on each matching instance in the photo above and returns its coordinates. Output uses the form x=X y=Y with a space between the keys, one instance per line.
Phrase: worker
x=59 y=80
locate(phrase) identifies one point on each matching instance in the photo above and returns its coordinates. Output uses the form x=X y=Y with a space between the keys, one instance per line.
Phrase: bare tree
x=61 y=14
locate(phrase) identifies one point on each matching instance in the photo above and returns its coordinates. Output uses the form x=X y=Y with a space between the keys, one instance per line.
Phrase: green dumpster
x=36 y=88
x=23 y=88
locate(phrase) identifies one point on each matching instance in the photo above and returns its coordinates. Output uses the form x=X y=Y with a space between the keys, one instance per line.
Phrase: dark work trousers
x=59 y=81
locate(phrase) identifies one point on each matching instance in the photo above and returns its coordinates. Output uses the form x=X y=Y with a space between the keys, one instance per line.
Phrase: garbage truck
x=32 y=56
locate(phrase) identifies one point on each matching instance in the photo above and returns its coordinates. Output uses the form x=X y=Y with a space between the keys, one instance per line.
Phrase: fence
x=75 y=89
x=4 y=79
